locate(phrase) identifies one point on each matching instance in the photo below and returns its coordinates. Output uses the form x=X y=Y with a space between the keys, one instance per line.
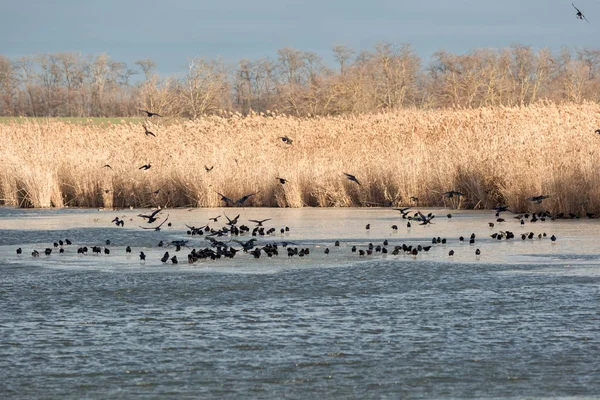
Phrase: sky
x=171 y=32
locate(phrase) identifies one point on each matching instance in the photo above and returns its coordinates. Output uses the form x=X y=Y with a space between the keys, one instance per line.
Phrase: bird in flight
x=148 y=132
x=352 y=178
x=109 y=167
x=286 y=139
x=215 y=219
x=148 y=113
x=283 y=181
x=226 y=199
x=453 y=193
x=579 y=14
x=244 y=198
x=157 y=228
x=209 y=169
x=259 y=222
x=598 y=131
x=232 y=221
x=152 y=217
x=145 y=167
x=538 y=199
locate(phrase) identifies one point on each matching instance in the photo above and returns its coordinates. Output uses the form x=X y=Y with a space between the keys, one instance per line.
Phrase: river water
x=521 y=320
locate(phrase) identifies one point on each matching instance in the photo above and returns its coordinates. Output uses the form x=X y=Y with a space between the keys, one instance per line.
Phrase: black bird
x=148 y=113
x=500 y=209
x=128 y=249
x=142 y=256
x=242 y=200
x=286 y=139
x=249 y=245
x=174 y=260
x=35 y=253
x=283 y=181
x=151 y=218
x=118 y=222
x=209 y=169
x=424 y=219
x=259 y=222
x=226 y=199
x=477 y=252
x=327 y=250
x=450 y=253
x=232 y=221
x=145 y=167
x=368 y=226
x=215 y=219
x=453 y=193
x=165 y=257
x=156 y=228
x=352 y=178
x=403 y=211
x=109 y=167
x=106 y=251
x=553 y=238
x=538 y=199
x=19 y=251
x=579 y=14
x=148 y=132
x=415 y=199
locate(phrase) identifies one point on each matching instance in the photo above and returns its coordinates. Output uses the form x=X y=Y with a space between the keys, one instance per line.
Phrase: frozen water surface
x=519 y=321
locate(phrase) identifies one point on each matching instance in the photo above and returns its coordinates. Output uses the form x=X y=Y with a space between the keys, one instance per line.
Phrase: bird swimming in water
x=352 y=178
x=579 y=14
x=149 y=113
x=145 y=167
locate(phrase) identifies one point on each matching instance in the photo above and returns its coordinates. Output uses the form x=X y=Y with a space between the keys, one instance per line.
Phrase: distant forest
x=297 y=82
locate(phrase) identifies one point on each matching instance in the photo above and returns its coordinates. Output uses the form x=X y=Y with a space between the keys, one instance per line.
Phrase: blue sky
x=169 y=32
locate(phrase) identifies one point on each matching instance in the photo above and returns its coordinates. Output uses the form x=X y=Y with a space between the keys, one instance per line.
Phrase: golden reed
x=493 y=155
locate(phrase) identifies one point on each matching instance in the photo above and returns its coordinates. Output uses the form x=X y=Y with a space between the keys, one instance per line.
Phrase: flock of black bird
x=231 y=237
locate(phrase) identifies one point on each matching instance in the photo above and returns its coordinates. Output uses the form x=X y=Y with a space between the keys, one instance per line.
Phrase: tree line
x=297 y=82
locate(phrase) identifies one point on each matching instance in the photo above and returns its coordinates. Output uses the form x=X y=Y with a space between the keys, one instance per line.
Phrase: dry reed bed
x=493 y=155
